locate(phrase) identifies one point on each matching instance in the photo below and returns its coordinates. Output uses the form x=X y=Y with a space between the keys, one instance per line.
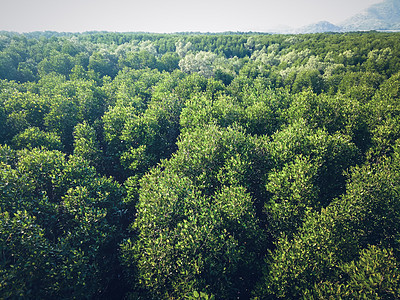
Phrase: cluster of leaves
x=199 y=166
x=58 y=223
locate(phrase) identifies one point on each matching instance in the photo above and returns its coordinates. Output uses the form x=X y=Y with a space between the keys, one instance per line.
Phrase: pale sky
x=171 y=15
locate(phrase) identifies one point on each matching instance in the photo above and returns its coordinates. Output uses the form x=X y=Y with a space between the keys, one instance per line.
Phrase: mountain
x=380 y=16
x=322 y=26
x=383 y=16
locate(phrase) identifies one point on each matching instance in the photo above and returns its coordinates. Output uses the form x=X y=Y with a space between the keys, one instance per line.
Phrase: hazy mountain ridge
x=381 y=16
x=323 y=26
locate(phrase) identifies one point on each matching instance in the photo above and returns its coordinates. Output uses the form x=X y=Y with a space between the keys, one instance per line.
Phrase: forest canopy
x=199 y=166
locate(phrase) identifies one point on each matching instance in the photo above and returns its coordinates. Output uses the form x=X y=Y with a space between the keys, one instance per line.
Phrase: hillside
x=384 y=16
x=319 y=27
x=381 y=16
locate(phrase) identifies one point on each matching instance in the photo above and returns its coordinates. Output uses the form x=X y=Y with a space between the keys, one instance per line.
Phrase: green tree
x=308 y=79
x=56 y=62
x=385 y=113
x=375 y=275
x=193 y=242
x=336 y=114
x=58 y=225
x=33 y=137
x=86 y=145
x=169 y=62
x=103 y=63
x=333 y=154
x=62 y=118
x=201 y=63
x=323 y=251
x=197 y=217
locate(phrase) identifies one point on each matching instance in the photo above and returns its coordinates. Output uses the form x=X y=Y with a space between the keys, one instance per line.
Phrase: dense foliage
x=194 y=166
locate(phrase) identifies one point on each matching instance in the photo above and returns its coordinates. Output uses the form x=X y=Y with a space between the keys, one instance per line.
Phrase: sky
x=171 y=15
